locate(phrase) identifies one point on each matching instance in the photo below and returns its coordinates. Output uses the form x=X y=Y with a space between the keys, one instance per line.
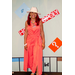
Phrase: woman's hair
x=37 y=19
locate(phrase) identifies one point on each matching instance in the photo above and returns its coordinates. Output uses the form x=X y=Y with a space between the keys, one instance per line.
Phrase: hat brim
x=34 y=11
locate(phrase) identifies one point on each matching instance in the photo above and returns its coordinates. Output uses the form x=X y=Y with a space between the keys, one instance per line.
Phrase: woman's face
x=33 y=15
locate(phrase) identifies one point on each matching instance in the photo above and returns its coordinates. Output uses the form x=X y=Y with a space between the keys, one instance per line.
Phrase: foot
x=32 y=73
x=36 y=73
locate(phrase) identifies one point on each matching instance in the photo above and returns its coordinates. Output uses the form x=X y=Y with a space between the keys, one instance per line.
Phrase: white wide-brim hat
x=34 y=9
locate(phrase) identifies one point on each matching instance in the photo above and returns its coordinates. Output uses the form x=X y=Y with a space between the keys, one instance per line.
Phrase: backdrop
x=52 y=29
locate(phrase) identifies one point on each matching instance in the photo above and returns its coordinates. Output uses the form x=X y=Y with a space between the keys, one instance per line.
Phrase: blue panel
x=15 y=59
x=21 y=59
x=22 y=10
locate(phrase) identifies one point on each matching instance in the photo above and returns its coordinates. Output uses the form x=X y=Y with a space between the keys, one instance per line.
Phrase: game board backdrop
x=52 y=30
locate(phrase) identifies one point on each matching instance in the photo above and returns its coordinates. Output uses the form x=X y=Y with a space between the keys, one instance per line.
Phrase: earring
x=30 y=16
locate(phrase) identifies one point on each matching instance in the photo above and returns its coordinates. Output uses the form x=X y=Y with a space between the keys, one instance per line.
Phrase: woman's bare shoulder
x=26 y=24
x=41 y=22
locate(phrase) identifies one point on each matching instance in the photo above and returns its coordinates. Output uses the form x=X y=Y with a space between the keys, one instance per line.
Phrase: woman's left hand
x=43 y=45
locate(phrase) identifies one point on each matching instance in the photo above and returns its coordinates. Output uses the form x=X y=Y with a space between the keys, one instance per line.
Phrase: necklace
x=33 y=24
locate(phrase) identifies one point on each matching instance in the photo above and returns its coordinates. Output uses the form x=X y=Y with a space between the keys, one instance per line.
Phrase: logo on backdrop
x=55 y=45
x=21 y=11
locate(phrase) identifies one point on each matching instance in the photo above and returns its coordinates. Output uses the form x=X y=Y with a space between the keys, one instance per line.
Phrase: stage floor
x=43 y=73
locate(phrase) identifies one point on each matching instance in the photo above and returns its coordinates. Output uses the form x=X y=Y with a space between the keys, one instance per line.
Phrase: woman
x=34 y=42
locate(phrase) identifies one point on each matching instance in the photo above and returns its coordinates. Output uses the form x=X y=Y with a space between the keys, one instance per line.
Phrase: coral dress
x=34 y=53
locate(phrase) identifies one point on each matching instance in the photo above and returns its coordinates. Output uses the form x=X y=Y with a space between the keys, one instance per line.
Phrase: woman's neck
x=33 y=20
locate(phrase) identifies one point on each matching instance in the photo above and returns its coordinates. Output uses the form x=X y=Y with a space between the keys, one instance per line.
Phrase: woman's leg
x=37 y=70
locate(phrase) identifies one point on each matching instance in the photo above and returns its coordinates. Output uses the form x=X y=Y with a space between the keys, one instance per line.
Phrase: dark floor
x=43 y=73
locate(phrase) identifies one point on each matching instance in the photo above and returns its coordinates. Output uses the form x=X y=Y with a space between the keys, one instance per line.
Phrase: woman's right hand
x=25 y=47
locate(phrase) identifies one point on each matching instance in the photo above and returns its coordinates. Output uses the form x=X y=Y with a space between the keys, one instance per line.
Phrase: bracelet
x=25 y=44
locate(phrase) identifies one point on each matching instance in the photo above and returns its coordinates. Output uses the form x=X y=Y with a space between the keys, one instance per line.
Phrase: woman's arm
x=42 y=32
x=26 y=33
